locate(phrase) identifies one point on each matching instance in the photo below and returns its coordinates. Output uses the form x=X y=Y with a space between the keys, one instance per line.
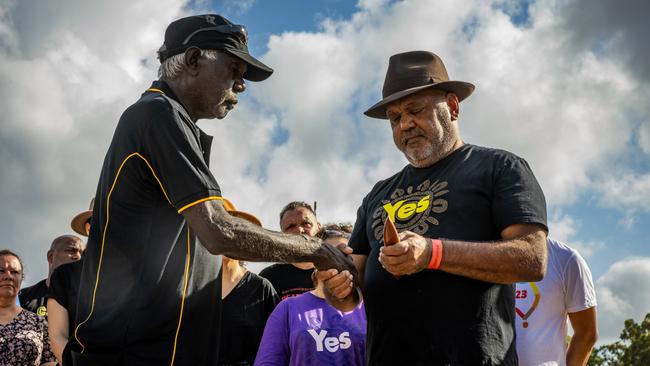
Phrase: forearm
x=237 y=238
x=579 y=349
x=58 y=342
x=585 y=334
x=57 y=327
x=508 y=261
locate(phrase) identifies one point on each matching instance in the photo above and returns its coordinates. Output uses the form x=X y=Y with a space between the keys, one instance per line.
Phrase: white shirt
x=542 y=307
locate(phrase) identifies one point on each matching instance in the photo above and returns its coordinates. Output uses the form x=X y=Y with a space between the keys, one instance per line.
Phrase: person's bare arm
x=585 y=334
x=519 y=257
x=57 y=324
x=221 y=233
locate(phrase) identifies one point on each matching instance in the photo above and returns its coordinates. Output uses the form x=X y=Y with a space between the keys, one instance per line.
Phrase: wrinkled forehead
x=69 y=243
x=10 y=262
x=297 y=215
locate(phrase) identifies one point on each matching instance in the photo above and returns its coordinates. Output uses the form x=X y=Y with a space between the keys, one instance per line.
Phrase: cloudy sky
x=564 y=84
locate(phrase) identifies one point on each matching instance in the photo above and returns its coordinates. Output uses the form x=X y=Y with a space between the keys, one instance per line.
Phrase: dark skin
x=520 y=255
x=208 y=89
x=233 y=237
x=64 y=249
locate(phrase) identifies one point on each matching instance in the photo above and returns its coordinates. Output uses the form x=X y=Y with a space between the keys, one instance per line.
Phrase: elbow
x=537 y=272
x=538 y=259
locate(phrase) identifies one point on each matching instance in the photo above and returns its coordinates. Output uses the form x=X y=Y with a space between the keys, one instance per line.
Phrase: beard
x=435 y=149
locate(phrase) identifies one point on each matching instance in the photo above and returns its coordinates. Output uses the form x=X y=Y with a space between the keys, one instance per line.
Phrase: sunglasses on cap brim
x=236 y=30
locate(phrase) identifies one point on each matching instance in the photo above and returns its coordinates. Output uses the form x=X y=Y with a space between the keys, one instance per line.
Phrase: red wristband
x=436 y=254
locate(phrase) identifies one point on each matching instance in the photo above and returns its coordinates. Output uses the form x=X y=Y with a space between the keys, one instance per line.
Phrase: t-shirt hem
x=525 y=220
x=581 y=307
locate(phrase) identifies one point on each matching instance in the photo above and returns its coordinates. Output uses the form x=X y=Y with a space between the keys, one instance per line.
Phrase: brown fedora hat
x=413 y=71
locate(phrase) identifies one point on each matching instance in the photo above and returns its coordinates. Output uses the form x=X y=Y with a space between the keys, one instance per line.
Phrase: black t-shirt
x=149 y=291
x=288 y=280
x=243 y=317
x=433 y=317
x=64 y=287
x=34 y=298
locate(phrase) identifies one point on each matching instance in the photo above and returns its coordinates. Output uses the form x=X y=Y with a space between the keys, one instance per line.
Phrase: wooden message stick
x=390 y=234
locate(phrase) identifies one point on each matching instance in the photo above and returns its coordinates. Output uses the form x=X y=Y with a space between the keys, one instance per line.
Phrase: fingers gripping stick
x=391 y=236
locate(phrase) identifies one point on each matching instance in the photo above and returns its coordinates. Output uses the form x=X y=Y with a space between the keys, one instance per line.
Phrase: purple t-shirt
x=306 y=330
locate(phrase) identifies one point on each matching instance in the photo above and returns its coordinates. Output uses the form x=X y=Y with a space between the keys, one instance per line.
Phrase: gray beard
x=431 y=154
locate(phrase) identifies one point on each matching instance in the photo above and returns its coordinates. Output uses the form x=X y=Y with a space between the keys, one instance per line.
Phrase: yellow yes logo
x=41 y=310
x=402 y=210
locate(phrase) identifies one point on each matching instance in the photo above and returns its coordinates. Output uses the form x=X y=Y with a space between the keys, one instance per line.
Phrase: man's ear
x=192 y=56
x=50 y=256
x=454 y=105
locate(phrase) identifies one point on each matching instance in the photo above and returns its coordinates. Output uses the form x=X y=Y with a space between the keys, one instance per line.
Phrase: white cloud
x=623 y=292
x=644 y=137
x=626 y=192
x=68 y=72
x=565 y=228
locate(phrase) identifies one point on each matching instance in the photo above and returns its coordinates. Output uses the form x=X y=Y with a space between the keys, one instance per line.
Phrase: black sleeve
x=271 y=298
x=359 y=238
x=59 y=285
x=172 y=147
x=518 y=198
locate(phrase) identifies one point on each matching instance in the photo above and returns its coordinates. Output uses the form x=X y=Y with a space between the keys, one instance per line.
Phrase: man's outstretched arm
x=520 y=256
x=221 y=233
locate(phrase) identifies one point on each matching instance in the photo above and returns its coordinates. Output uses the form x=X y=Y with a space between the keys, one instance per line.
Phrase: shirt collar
x=161 y=86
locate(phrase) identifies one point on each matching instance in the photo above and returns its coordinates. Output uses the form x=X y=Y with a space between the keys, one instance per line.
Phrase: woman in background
x=24 y=340
x=247 y=302
x=305 y=330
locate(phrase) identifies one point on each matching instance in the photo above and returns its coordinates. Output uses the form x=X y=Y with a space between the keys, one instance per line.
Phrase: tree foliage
x=633 y=349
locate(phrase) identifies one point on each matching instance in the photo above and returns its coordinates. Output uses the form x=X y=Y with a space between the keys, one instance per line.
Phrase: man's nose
x=239 y=86
x=406 y=122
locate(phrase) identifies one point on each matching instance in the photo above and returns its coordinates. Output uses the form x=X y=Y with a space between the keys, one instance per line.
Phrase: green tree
x=633 y=349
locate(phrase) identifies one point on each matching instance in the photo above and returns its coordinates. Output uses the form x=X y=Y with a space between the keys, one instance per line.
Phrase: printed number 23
x=521 y=294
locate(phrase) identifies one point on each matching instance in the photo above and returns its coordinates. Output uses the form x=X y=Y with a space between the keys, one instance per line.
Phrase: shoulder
x=483 y=153
x=561 y=253
x=566 y=258
x=35 y=288
x=150 y=107
x=261 y=280
x=32 y=320
x=258 y=281
x=273 y=270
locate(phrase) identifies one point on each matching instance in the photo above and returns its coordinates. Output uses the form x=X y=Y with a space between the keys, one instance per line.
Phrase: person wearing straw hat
x=81 y=222
x=62 y=296
x=471 y=222
x=149 y=293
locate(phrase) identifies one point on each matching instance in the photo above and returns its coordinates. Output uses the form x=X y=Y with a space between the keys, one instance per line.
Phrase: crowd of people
x=472 y=279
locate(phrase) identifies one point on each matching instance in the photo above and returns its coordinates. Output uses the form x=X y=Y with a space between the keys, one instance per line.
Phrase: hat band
x=396 y=85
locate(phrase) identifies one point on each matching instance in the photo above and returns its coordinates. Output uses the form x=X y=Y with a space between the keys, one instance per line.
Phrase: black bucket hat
x=411 y=72
x=212 y=31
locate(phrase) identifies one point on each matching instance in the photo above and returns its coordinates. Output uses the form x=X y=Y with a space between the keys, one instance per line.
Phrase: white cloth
x=566 y=288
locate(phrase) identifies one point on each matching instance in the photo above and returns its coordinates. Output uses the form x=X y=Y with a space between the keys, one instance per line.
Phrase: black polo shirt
x=149 y=291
